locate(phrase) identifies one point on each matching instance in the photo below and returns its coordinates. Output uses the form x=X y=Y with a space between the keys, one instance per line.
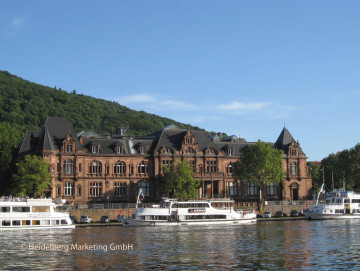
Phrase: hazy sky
x=240 y=67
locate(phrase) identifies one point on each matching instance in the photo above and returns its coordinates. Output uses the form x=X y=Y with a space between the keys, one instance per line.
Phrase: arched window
x=143 y=168
x=68 y=189
x=68 y=166
x=95 y=168
x=120 y=168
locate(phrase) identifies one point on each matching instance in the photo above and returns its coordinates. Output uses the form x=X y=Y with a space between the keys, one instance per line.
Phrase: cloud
x=244 y=106
x=18 y=22
x=158 y=102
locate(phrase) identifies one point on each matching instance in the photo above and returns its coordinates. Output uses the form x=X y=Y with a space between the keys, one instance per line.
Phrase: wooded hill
x=26 y=105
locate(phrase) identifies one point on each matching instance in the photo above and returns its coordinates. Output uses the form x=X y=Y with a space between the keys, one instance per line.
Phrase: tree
x=10 y=139
x=32 y=176
x=180 y=181
x=316 y=175
x=260 y=164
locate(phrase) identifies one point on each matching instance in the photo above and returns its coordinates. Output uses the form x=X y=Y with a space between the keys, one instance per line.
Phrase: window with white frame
x=95 y=189
x=68 y=189
x=229 y=168
x=143 y=168
x=95 y=168
x=120 y=168
x=120 y=189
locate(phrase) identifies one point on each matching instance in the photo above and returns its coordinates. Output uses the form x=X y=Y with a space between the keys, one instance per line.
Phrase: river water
x=270 y=245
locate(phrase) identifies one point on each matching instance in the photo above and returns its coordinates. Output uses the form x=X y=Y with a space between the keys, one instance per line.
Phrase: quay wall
x=96 y=214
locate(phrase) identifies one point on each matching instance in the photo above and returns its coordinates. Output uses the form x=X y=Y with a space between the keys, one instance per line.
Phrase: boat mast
x=321 y=188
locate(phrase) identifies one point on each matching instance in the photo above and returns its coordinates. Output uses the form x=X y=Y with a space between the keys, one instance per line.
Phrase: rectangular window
x=211 y=166
x=95 y=189
x=145 y=186
x=232 y=189
x=271 y=189
x=252 y=189
x=168 y=163
x=120 y=189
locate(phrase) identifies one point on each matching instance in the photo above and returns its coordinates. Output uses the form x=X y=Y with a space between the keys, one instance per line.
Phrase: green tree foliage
x=180 y=182
x=32 y=176
x=316 y=175
x=27 y=105
x=10 y=138
x=343 y=169
x=259 y=163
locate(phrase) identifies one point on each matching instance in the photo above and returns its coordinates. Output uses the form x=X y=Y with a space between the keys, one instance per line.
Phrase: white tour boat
x=339 y=204
x=19 y=213
x=174 y=212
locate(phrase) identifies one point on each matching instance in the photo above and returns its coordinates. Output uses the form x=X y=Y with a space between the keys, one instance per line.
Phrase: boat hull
x=72 y=226
x=139 y=223
x=317 y=216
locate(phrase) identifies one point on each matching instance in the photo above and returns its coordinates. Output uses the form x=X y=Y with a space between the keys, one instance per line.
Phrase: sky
x=245 y=68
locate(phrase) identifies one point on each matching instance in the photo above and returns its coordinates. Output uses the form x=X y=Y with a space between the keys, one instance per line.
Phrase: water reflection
x=278 y=245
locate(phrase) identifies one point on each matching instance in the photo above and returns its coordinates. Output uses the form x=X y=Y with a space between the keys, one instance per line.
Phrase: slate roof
x=284 y=141
x=55 y=131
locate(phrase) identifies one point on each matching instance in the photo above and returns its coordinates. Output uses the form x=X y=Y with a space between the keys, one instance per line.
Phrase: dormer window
x=95 y=148
x=68 y=144
x=210 y=151
x=293 y=153
x=190 y=150
x=167 y=150
x=230 y=151
x=119 y=149
x=143 y=149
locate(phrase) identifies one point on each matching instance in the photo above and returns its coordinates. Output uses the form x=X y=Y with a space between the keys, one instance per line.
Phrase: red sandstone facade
x=91 y=168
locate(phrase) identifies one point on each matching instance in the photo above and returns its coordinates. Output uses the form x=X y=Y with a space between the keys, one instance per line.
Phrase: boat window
x=45 y=222
x=21 y=209
x=26 y=222
x=16 y=223
x=6 y=223
x=5 y=209
x=36 y=222
x=355 y=201
x=63 y=222
x=346 y=200
x=40 y=209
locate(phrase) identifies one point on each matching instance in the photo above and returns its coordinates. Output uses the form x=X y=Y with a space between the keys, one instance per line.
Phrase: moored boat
x=339 y=204
x=173 y=212
x=23 y=213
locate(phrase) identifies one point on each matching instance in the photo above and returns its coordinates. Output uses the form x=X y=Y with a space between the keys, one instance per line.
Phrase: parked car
x=294 y=213
x=279 y=214
x=267 y=215
x=85 y=219
x=73 y=219
x=105 y=219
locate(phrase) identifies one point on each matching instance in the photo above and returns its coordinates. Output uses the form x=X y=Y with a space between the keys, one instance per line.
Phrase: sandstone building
x=87 y=167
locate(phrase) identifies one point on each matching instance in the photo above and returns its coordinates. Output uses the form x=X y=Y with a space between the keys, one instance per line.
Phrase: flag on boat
x=121 y=213
x=73 y=204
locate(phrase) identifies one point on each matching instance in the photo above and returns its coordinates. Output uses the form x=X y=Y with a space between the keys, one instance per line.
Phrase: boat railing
x=290 y=202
